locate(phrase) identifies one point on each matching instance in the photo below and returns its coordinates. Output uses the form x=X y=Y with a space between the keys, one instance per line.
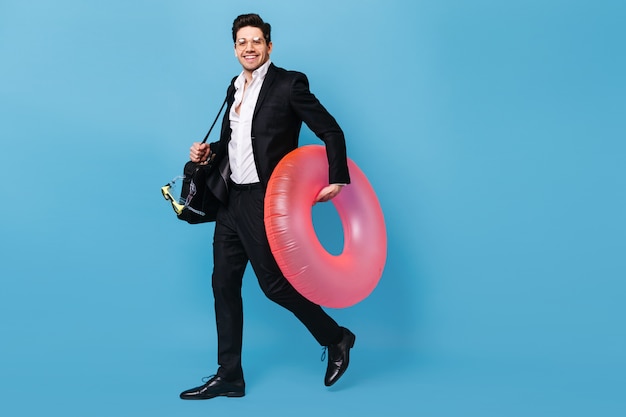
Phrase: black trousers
x=240 y=237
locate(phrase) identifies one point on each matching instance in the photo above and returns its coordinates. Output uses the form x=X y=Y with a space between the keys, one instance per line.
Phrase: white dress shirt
x=240 y=155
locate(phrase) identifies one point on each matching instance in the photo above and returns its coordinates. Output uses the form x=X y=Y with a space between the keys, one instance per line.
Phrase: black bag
x=196 y=204
x=200 y=203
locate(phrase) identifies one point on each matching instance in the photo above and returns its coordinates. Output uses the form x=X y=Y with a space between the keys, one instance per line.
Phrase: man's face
x=251 y=49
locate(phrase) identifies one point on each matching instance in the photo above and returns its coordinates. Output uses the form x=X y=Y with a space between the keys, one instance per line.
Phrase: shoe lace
x=323 y=358
x=206 y=379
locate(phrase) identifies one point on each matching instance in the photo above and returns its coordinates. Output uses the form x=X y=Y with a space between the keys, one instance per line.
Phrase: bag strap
x=215 y=121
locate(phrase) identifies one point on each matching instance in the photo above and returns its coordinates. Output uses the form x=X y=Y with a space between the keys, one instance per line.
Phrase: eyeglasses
x=243 y=42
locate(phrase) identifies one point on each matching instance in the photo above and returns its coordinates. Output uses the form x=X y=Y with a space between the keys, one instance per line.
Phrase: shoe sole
x=232 y=394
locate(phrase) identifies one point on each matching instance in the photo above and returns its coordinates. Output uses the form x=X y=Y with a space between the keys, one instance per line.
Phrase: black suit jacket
x=284 y=103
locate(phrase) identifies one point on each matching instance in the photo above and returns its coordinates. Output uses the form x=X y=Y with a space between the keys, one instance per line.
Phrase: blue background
x=492 y=132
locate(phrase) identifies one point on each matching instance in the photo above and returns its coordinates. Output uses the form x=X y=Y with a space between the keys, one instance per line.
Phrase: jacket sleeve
x=325 y=127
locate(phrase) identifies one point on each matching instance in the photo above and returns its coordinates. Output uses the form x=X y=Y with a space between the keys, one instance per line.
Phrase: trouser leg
x=229 y=260
x=273 y=283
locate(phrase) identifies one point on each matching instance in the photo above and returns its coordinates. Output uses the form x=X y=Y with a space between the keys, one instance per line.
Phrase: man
x=266 y=108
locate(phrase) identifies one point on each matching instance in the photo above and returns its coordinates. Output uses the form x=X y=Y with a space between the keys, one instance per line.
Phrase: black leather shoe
x=215 y=387
x=339 y=357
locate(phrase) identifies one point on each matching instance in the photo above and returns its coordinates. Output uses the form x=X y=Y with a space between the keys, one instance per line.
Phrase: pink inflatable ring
x=335 y=281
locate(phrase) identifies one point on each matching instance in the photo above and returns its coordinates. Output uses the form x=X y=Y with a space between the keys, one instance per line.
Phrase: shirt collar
x=257 y=74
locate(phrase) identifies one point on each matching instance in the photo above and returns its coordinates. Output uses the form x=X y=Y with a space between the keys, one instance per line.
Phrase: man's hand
x=328 y=193
x=199 y=152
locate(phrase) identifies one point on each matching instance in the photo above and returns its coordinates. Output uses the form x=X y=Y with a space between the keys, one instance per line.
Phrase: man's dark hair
x=254 y=20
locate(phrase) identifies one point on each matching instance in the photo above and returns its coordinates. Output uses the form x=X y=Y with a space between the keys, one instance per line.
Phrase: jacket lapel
x=267 y=83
